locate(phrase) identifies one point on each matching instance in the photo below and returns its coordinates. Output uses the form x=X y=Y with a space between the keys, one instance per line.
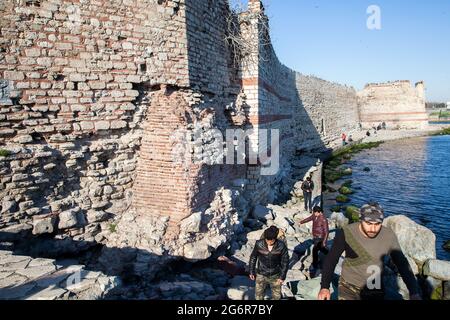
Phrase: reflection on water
x=409 y=177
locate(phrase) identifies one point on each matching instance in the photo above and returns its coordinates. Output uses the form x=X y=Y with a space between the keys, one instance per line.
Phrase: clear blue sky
x=330 y=39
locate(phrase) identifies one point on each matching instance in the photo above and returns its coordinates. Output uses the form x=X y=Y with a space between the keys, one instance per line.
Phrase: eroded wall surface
x=114 y=119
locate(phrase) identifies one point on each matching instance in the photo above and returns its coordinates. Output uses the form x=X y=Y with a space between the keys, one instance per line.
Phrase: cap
x=372 y=212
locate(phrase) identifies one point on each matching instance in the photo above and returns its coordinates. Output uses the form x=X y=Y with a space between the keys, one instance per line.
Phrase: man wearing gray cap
x=366 y=244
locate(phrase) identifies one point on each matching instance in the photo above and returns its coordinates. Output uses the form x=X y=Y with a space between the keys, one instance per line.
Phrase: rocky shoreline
x=418 y=242
x=224 y=276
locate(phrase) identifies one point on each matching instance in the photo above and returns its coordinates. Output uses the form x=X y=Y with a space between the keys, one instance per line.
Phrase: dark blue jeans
x=308 y=200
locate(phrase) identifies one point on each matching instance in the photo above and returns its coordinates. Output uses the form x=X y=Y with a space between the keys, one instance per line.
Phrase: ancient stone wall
x=398 y=104
x=113 y=120
x=308 y=112
x=78 y=78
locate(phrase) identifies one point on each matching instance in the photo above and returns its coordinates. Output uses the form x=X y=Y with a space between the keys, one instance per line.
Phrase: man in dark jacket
x=320 y=233
x=272 y=257
x=308 y=187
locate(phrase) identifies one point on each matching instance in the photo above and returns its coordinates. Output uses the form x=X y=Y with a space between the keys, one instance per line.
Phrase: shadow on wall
x=281 y=107
x=279 y=104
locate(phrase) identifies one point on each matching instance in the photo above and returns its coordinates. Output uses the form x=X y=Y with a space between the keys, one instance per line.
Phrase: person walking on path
x=366 y=244
x=269 y=263
x=320 y=231
x=308 y=187
x=344 y=139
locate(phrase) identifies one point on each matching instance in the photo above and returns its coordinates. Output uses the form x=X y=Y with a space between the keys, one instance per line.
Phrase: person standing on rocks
x=344 y=139
x=308 y=187
x=366 y=244
x=320 y=231
x=272 y=257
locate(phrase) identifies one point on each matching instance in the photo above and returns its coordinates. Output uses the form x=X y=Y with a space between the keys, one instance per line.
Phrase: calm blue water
x=409 y=177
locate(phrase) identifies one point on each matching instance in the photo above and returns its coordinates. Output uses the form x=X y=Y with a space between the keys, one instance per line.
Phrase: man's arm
x=311 y=186
x=404 y=268
x=310 y=218
x=253 y=259
x=326 y=231
x=332 y=259
x=284 y=263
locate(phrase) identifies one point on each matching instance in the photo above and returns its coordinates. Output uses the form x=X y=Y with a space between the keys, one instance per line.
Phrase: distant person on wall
x=383 y=125
x=320 y=233
x=344 y=139
x=308 y=187
x=269 y=264
x=350 y=139
x=366 y=245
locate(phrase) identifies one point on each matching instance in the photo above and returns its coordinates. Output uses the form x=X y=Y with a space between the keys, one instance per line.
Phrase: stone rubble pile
x=25 y=278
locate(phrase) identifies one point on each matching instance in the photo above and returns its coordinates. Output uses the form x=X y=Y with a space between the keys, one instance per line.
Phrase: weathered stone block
x=43 y=225
x=68 y=219
x=437 y=269
x=118 y=124
x=33 y=52
x=102 y=125
x=97 y=85
x=87 y=125
x=14 y=75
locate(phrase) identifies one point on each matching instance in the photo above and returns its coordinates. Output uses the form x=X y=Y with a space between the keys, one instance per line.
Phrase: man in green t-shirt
x=366 y=244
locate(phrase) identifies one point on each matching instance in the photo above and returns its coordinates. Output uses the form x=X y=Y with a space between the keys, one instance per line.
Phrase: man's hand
x=415 y=297
x=324 y=245
x=252 y=277
x=324 y=294
x=280 y=282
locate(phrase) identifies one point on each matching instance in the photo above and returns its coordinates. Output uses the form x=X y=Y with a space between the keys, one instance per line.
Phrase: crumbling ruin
x=96 y=95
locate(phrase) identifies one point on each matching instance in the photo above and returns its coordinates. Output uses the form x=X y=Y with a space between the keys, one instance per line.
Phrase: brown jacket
x=320 y=226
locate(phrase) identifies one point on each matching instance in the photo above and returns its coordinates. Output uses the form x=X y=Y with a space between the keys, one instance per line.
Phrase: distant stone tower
x=397 y=103
x=420 y=87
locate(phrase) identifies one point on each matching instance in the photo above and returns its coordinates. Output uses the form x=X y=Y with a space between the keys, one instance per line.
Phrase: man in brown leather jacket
x=320 y=234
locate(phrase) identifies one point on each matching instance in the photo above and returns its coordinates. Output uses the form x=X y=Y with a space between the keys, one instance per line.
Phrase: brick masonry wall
x=164 y=186
x=75 y=79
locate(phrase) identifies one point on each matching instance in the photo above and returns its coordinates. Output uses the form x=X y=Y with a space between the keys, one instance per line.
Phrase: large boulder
x=192 y=223
x=255 y=235
x=15 y=232
x=191 y=290
x=97 y=216
x=446 y=245
x=295 y=275
x=280 y=212
x=241 y=288
x=8 y=205
x=284 y=224
x=415 y=240
x=263 y=213
x=437 y=269
x=197 y=251
x=309 y=289
x=339 y=219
